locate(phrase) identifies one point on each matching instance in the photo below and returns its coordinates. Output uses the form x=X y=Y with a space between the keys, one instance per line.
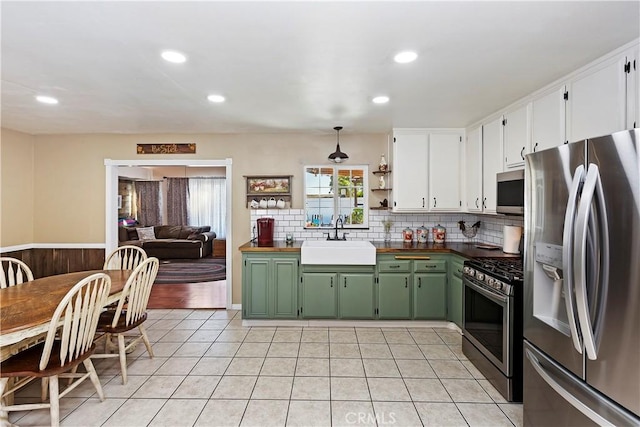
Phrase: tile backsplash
x=293 y=220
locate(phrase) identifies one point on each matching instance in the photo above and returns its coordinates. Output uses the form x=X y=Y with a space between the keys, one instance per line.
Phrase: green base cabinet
x=394 y=296
x=284 y=295
x=356 y=296
x=319 y=295
x=456 y=287
x=430 y=296
x=270 y=287
x=256 y=295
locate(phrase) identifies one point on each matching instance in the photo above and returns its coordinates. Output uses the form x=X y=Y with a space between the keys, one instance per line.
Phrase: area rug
x=191 y=271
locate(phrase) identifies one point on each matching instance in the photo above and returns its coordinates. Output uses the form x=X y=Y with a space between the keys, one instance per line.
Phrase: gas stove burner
x=499 y=274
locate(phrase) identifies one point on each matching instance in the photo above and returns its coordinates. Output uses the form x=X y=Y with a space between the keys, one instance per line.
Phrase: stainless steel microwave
x=510 y=192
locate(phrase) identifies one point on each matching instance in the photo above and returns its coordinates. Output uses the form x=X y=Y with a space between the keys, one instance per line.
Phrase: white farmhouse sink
x=338 y=252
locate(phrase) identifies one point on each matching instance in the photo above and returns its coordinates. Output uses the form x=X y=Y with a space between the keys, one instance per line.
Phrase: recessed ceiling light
x=216 y=98
x=46 y=99
x=405 y=57
x=380 y=100
x=173 y=56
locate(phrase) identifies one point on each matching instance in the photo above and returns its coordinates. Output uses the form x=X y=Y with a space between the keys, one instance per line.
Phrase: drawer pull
x=395 y=266
x=430 y=266
x=419 y=282
x=406 y=282
x=412 y=257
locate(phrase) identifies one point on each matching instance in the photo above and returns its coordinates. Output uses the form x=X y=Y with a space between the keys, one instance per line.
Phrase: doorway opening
x=181 y=295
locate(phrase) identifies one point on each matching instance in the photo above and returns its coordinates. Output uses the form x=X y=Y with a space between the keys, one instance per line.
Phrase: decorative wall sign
x=166 y=148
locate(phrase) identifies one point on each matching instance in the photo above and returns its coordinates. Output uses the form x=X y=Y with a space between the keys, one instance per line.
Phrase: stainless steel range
x=492 y=322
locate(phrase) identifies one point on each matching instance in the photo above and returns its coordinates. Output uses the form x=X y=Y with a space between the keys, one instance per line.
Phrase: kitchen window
x=336 y=192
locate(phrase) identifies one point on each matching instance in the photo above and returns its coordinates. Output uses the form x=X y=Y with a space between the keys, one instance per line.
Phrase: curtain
x=207 y=205
x=148 y=202
x=177 y=201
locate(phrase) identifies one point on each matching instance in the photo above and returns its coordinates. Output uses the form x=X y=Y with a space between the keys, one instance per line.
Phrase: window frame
x=335 y=190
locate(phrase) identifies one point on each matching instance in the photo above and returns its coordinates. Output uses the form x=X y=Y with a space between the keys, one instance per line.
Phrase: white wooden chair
x=69 y=342
x=14 y=272
x=126 y=257
x=130 y=313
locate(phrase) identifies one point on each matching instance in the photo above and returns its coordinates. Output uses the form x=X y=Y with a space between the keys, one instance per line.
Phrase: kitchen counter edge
x=468 y=250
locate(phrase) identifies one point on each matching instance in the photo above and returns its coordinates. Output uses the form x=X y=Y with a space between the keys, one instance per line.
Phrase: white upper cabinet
x=516 y=137
x=597 y=101
x=473 y=169
x=410 y=174
x=426 y=170
x=548 y=119
x=491 y=163
x=444 y=171
x=633 y=88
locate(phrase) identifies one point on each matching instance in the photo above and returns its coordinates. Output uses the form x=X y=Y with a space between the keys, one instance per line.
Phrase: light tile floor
x=209 y=370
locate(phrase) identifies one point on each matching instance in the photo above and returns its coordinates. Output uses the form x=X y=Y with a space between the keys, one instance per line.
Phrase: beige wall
x=69 y=175
x=16 y=188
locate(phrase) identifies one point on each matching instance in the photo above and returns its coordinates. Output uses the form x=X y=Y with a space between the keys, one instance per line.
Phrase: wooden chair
x=130 y=313
x=126 y=257
x=14 y=272
x=69 y=342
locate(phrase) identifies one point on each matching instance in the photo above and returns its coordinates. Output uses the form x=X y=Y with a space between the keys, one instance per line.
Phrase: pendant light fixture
x=338 y=156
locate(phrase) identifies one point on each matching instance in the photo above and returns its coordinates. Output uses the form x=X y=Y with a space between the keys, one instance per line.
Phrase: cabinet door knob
x=484 y=203
x=332 y=282
x=522 y=153
x=345 y=282
x=406 y=282
x=535 y=147
x=419 y=282
x=477 y=199
x=434 y=202
x=423 y=202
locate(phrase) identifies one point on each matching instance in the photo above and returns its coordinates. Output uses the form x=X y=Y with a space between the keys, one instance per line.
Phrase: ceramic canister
x=438 y=232
x=421 y=234
x=407 y=235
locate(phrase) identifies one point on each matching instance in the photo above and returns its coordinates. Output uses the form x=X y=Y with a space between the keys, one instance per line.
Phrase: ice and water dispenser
x=550 y=303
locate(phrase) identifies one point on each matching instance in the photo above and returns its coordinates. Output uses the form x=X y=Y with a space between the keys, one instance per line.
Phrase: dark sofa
x=171 y=241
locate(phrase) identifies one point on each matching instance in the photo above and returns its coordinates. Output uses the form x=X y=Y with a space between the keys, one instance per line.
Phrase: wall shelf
x=381 y=172
x=267 y=187
x=381 y=189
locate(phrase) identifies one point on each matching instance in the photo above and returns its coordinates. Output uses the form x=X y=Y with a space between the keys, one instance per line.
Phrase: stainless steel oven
x=487 y=322
x=492 y=324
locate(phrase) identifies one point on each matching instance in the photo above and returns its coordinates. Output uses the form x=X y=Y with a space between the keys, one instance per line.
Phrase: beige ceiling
x=289 y=66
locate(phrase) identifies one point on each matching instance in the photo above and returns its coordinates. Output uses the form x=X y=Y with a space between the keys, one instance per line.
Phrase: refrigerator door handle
x=567 y=256
x=592 y=188
x=566 y=395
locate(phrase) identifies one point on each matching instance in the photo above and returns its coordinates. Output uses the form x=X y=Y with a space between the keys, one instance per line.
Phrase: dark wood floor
x=189 y=295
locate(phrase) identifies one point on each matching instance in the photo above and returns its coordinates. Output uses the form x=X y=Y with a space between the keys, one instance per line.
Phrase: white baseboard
x=353 y=323
x=236 y=307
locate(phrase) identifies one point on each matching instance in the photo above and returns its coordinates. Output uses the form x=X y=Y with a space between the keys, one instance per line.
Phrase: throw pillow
x=146 y=233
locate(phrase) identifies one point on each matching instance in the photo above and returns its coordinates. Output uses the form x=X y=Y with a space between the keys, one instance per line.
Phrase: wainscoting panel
x=49 y=262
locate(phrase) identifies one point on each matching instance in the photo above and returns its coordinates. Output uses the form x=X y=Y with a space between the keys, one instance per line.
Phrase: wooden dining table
x=26 y=309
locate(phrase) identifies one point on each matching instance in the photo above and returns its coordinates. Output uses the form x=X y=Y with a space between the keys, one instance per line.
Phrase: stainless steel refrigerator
x=582 y=283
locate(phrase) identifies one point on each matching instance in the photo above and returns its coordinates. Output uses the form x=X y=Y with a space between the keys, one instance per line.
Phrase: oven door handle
x=486 y=293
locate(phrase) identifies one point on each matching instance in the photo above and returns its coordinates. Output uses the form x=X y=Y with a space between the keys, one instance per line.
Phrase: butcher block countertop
x=468 y=250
